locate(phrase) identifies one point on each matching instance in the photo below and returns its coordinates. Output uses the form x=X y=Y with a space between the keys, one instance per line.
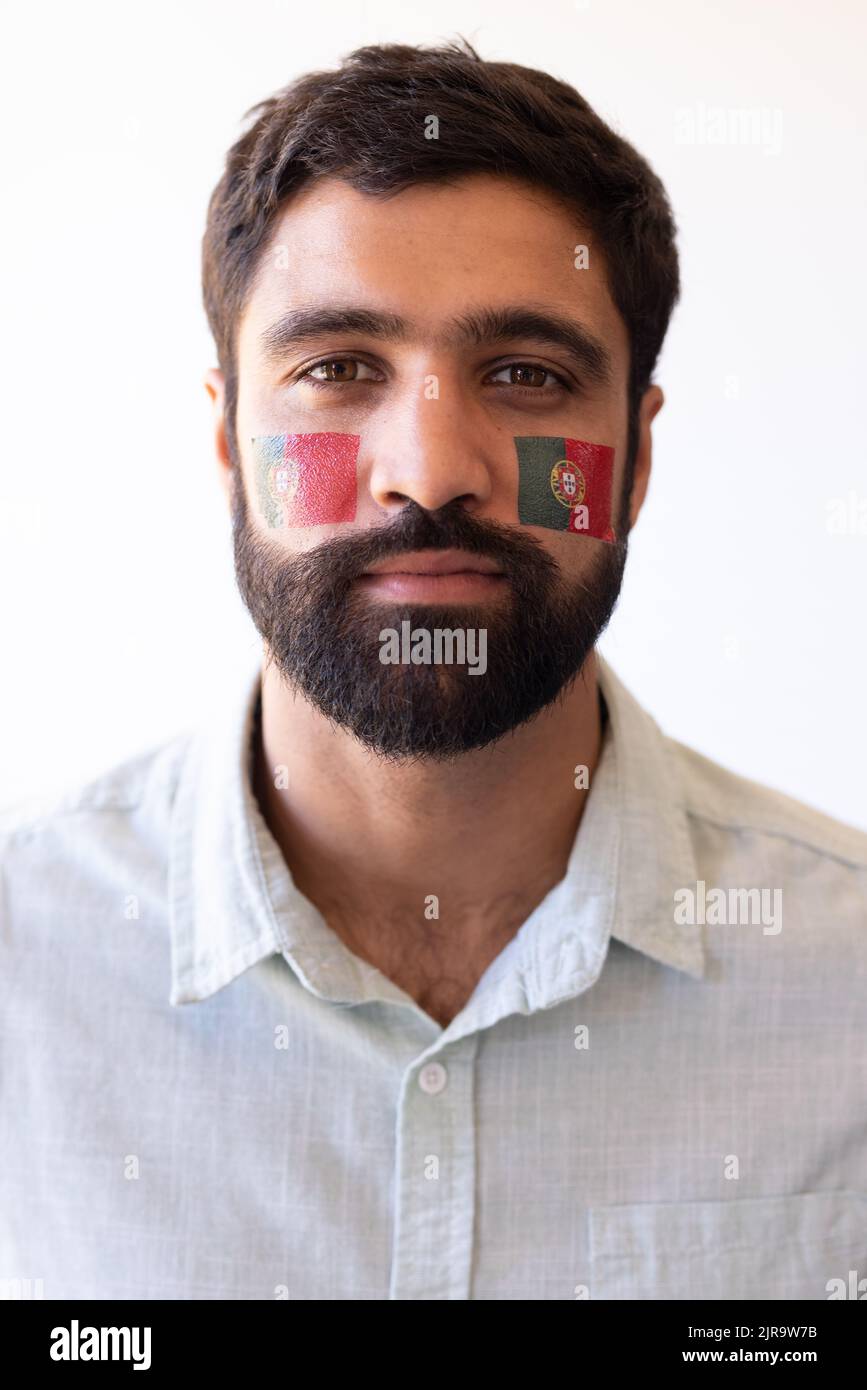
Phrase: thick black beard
x=324 y=637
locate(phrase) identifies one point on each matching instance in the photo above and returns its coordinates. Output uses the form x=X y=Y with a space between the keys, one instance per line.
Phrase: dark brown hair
x=365 y=123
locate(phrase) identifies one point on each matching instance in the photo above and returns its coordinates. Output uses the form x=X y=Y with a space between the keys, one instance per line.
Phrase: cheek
x=566 y=485
x=306 y=479
x=312 y=480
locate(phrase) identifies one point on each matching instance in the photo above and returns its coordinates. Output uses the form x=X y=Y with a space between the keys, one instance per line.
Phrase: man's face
x=437 y=375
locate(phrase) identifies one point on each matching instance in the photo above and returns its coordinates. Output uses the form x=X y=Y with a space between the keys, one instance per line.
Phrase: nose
x=430 y=449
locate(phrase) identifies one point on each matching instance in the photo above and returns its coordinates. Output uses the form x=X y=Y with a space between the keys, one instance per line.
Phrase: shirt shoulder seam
x=40 y=819
x=24 y=821
x=774 y=832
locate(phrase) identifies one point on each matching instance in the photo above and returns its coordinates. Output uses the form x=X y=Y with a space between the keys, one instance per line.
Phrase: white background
x=741 y=624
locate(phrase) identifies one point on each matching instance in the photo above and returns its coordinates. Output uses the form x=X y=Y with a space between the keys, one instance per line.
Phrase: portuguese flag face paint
x=565 y=484
x=306 y=479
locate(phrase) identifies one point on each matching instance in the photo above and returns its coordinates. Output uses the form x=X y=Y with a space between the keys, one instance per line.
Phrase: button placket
x=435 y=1177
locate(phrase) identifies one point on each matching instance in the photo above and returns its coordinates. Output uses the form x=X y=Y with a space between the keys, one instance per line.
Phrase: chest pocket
x=748 y=1248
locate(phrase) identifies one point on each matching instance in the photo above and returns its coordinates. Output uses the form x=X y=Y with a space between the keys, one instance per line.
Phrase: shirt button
x=432 y=1078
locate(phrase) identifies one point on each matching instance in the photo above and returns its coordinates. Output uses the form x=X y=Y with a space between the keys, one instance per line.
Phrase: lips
x=436 y=563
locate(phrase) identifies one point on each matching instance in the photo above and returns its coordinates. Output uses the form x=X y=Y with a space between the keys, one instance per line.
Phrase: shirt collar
x=233 y=902
x=656 y=849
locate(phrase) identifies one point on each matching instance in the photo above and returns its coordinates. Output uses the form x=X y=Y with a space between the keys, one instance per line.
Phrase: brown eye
x=524 y=374
x=527 y=374
x=337 y=369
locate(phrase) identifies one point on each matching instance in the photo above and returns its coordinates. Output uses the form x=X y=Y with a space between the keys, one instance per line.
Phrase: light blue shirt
x=658 y=1089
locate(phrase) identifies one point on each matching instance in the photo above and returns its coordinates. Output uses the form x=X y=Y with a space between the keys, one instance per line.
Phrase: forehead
x=427 y=252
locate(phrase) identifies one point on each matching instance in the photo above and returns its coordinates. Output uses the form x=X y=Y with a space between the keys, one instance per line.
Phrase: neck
x=498 y=822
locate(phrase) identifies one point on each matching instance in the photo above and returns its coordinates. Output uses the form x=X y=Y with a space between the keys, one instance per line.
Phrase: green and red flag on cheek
x=565 y=484
x=306 y=479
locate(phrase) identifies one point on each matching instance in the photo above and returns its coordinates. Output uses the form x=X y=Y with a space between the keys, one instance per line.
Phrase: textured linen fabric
x=204 y=1094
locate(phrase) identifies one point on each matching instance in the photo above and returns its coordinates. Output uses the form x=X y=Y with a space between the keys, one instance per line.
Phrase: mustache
x=523 y=559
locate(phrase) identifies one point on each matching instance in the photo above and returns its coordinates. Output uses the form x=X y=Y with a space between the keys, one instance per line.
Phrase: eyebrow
x=479 y=327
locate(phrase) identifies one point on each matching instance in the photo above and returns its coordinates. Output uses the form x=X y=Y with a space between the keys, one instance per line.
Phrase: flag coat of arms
x=306 y=479
x=565 y=484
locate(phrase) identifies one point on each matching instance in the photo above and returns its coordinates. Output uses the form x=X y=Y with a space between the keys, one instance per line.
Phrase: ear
x=651 y=403
x=215 y=386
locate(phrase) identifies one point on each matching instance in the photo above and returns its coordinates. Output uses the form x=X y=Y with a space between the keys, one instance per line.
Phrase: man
x=429 y=968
